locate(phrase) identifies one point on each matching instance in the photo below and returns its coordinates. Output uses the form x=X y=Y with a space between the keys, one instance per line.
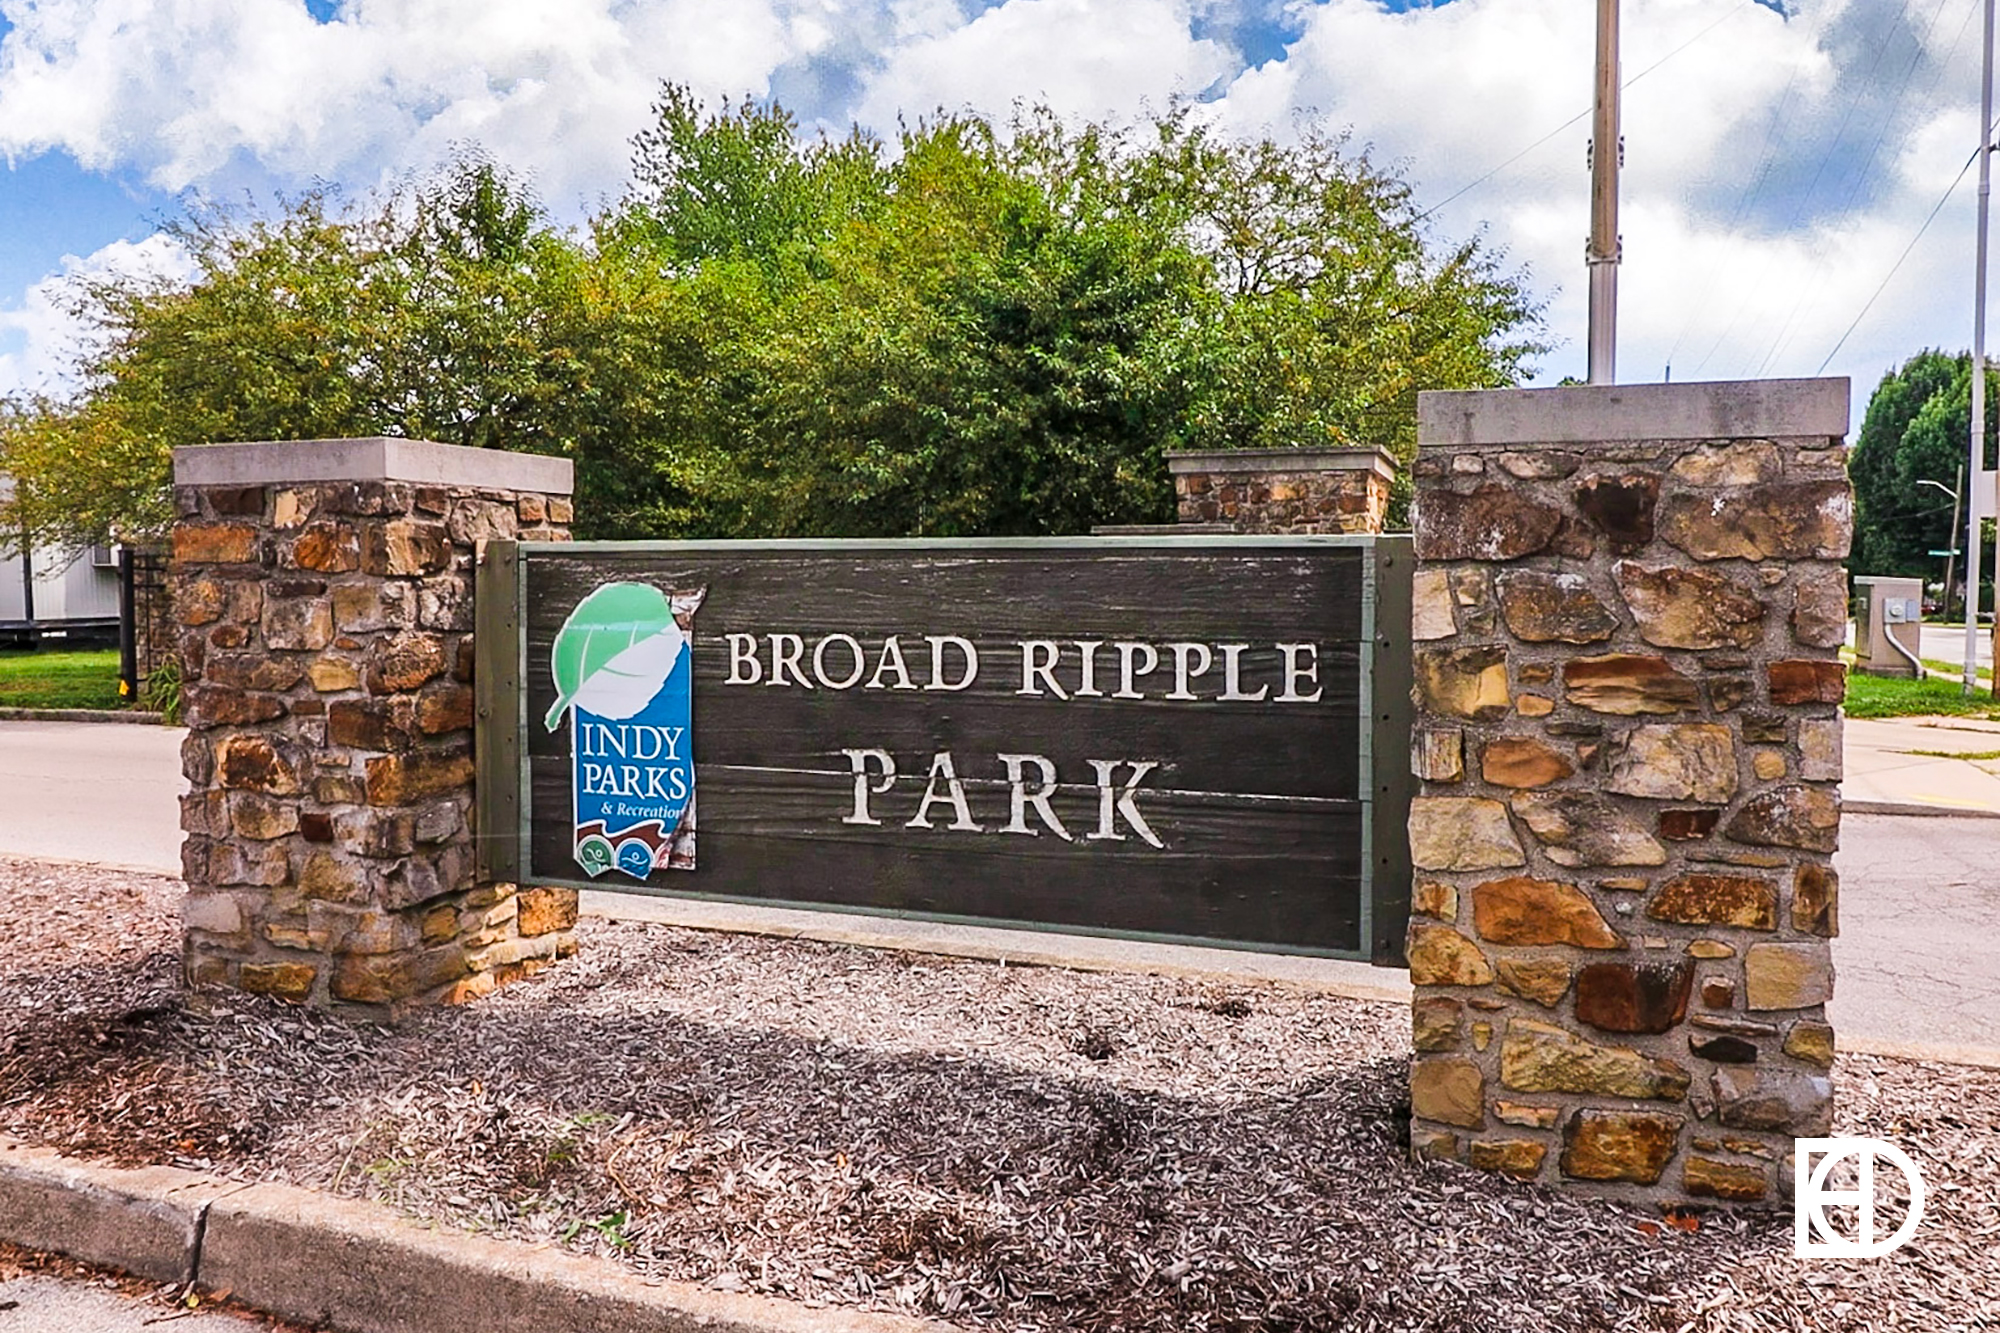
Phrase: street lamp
x=1951 y=555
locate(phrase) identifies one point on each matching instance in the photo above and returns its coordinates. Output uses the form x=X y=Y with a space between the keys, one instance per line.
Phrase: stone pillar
x=324 y=589
x=1629 y=603
x=1284 y=490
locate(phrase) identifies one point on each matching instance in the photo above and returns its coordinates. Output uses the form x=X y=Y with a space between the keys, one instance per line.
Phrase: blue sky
x=1777 y=164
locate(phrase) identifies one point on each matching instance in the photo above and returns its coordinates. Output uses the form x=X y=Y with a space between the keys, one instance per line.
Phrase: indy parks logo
x=1841 y=1174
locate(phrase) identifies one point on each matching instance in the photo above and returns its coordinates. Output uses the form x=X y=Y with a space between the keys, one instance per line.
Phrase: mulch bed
x=1001 y=1147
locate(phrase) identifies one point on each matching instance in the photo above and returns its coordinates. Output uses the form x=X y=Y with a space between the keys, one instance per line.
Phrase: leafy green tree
x=985 y=330
x=1915 y=430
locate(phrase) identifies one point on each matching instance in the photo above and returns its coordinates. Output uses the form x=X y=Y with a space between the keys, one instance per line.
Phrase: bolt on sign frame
x=1192 y=739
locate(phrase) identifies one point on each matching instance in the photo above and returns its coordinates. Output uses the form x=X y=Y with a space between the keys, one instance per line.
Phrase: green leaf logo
x=614 y=652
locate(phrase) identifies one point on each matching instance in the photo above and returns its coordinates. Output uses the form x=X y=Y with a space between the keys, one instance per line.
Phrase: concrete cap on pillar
x=371 y=458
x=1582 y=414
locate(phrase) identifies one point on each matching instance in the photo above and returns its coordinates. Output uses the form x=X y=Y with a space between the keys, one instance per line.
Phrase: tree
x=988 y=330
x=1915 y=429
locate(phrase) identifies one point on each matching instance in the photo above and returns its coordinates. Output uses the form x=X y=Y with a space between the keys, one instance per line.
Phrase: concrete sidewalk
x=1945 y=764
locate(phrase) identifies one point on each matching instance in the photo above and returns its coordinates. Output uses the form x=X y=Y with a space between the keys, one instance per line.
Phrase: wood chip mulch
x=1000 y=1147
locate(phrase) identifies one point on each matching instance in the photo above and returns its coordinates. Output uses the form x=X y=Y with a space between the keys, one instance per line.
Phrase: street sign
x=1199 y=739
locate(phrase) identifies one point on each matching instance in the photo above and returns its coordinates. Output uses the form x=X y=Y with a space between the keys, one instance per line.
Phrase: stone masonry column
x=1629 y=603
x=324 y=592
x=1314 y=490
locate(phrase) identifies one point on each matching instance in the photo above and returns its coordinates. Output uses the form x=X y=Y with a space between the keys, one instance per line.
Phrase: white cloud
x=48 y=338
x=183 y=88
x=1083 y=58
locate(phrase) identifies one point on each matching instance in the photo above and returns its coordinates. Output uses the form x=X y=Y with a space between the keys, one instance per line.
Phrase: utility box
x=1886 y=607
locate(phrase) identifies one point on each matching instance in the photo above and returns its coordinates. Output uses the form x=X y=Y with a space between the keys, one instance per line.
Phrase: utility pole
x=1951 y=540
x=1607 y=151
x=1977 y=430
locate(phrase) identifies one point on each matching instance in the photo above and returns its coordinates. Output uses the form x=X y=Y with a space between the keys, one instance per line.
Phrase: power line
x=1887 y=278
x=1585 y=113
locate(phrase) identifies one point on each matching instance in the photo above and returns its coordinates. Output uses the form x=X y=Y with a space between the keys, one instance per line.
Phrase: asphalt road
x=1944 y=644
x=39 y=1304
x=1920 y=901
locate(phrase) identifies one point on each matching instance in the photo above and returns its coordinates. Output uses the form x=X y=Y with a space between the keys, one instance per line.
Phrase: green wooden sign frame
x=504 y=809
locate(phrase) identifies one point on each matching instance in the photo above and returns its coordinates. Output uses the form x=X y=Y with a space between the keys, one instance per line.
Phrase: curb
x=82 y=715
x=1915 y=811
x=359 y=1267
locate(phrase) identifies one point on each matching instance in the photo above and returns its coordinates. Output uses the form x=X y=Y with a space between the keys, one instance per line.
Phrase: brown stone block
x=1805 y=681
x=1437 y=754
x=1783 y=521
x=403 y=779
x=326 y=876
x=1463 y=682
x=1431 y=898
x=1519 y=1158
x=1543 y=980
x=1493 y=523
x=1718 y=992
x=1522 y=761
x=446 y=710
x=285 y=981
x=1717 y=900
x=403 y=548
x=259 y=864
x=1436 y=1023
x=1462 y=833
x=543 y=910
x=1688 y=825
x=1745 y=463
x=304 y=623
x=327 y=548
x=215 y=544
x=374 y=978
x=1440 y=956
x=1633 y=997
x=1817 y=901
x=251 y=763
x=1690 y=608
x=1634 y=1146
x=1542 y=606
x=220 y=706
x=1803 y=817
x=261 y=819
x=1787 y=976
x=379 y=834
x=1540 y=1057
x=1819 y=607
x=560 y=509
x=315 y=826
x=405 y=662
x=1450 y=1091
x=366 y=724
x=339 y=789
x=1625 y=684
x=1675 y=761
x=225 y=636
x=1705 y=1178
x=1523 y=911
x=252 y=671
x=1811 y=1042
x=1621 y=506
x=200 y=601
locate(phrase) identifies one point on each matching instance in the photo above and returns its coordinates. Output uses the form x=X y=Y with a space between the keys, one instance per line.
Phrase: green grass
x=1885 y=696
x=86 y=679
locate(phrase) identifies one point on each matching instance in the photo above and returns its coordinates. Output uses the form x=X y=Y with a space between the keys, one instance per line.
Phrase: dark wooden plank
x=496 y=690
x=1393 y=784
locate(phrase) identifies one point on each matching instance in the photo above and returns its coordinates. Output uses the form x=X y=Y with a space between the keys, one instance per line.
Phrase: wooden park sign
x=1178 y=738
